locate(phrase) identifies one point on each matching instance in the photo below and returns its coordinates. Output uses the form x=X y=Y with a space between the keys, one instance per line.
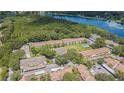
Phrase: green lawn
x=78 y=47
x=36 y=51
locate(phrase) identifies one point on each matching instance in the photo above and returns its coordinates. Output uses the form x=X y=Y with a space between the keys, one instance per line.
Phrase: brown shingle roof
x=115 y=63
x=32 y=63
x=95 y=52
x=68 y=40
x=85 y=74
x=53 y=42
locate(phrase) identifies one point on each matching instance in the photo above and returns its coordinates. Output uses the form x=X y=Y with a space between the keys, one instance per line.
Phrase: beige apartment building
x=94 y=54
x=85 y=74
x=115 y=64
x=58 y=42
x=32 y=66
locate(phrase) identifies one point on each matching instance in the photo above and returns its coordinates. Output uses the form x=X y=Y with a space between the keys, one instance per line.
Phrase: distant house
x=117 y=57
x=58 y=42
x=85 y=74
x=109 y=69
x=92 y=39
x=115 y=64
x=104 y=68
x=110 y=43
x=33 y=65
x=89 y=42
x=60 y=51
x=94 y=54
x=97 y=69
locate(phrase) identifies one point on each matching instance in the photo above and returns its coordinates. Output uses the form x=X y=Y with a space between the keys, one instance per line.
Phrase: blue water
x=116 y=29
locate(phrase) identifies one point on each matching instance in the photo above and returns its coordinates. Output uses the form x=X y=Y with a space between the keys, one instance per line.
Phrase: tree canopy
x=3 y=73
x=74 y=76
x=100 y=61
x=120 y=75
x=61 y=60
x=16 y=76
x=45 y=77
x=100 y=42
x=104 y=77
x=118 y=50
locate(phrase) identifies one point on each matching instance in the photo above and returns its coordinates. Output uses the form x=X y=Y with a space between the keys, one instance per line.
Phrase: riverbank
x=94 y=18
x=103 y=24
x=80 y=16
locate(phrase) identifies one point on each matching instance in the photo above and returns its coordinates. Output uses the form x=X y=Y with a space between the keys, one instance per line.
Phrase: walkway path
x=27 y=50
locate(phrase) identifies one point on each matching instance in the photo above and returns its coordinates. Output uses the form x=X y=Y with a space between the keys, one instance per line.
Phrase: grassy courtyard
x=78 y=47
x=37 y=51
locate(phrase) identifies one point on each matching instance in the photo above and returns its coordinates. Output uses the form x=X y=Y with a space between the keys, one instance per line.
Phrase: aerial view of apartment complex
x=61 y=46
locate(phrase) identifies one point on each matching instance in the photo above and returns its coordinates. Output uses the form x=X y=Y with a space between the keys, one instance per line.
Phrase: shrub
x=104 y=77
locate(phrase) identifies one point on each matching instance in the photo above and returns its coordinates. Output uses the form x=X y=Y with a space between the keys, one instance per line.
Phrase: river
x=107 y=25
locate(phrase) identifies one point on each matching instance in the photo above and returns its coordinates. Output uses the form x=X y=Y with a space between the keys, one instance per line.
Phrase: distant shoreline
x=115 y=24
x=81 y=16
x=103 y=19
x=92 y=18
